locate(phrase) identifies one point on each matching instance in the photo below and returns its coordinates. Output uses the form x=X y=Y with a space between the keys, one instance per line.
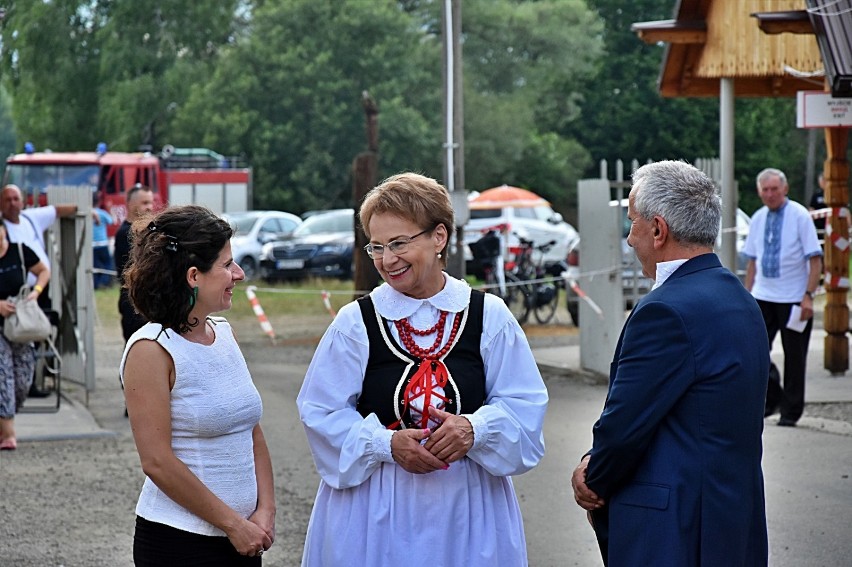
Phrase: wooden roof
x=709 y=40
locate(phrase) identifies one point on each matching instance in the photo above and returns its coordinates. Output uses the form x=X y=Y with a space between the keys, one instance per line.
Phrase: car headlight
x=266 y=252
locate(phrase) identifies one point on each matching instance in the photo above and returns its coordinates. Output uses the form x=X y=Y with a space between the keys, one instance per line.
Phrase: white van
x=539 y=223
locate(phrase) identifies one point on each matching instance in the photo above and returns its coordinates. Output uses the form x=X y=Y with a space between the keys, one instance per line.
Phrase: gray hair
x=684 y=196
x=773 y=172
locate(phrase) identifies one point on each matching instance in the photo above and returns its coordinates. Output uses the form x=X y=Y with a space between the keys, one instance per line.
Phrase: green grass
x=289 y=298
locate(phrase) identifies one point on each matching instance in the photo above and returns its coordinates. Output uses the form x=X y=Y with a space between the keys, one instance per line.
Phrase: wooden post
x=836 y=315
x=364 y=172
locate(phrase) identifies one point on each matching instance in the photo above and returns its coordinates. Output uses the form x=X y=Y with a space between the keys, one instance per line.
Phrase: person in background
x=783 y=272
x=674 y=474
x=101 y=259
x=17 y=360
x=27 y=226
x=420 y=403
x=817 y=203
x=140 y=203
x=208 y=497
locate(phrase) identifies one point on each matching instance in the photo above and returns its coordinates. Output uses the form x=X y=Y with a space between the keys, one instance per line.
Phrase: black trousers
x=795 y=345
x=159 y=545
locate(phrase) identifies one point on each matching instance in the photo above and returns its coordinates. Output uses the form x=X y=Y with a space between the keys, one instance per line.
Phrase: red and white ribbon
x=258 y=310
x=326 y=300
x=582 y=295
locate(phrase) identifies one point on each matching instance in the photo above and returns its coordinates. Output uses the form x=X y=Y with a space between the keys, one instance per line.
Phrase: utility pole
x=454 y=130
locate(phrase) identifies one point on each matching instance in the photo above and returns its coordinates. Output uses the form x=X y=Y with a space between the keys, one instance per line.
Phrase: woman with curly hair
x=208 y=496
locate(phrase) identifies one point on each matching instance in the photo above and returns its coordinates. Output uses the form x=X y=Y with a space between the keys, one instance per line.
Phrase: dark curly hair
x=162 y=251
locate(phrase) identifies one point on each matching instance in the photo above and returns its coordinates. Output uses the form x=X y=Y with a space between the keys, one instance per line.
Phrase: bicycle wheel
x=517 y=298
x=491 y=283
x=544 y=308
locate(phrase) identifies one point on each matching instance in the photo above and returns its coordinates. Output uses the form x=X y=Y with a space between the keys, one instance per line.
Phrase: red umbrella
x=506 y=196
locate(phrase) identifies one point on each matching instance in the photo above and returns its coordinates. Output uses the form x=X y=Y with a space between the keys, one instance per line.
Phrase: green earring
x=193 y=296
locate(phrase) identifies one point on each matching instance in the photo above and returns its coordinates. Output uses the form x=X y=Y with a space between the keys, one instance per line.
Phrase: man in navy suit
x=674 y=475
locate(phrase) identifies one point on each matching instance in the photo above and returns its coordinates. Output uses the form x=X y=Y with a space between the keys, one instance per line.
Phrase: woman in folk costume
x=420 y=402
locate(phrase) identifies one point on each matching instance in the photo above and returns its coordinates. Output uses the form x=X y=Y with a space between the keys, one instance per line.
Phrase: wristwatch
x=809 y=294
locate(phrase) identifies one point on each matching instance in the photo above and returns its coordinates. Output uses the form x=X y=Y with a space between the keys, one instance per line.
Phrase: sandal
x=9 y=444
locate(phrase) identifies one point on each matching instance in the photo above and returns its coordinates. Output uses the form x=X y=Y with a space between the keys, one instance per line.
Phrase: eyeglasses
x=397 y=246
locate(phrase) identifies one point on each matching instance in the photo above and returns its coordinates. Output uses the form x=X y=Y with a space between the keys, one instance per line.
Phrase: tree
x=289 y=96
x=280 y=81
x=50 y=68
x=83 y=71
x=7 y=127
x=624 y=116
x=524 y=63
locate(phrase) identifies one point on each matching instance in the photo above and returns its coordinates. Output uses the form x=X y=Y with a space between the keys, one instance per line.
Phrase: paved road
x=71 y=502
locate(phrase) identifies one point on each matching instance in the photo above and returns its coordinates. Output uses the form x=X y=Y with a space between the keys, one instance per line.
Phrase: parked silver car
x=253 y=229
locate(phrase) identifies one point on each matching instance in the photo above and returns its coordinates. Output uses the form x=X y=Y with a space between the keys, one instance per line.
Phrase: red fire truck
x=178 y=176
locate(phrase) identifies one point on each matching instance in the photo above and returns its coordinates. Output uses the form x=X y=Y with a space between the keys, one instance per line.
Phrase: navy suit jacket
x=677 y=450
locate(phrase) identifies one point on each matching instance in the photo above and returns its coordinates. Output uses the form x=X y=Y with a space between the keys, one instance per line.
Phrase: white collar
x=394 y=305
x=666 y=269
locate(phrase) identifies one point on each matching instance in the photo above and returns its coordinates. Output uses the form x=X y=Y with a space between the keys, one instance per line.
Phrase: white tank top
x=214 y=406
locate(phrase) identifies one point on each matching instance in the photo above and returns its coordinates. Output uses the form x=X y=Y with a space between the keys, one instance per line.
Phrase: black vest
x=390 y=367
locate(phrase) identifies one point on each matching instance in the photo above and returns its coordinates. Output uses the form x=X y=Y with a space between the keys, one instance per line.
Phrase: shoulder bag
x=28 y=323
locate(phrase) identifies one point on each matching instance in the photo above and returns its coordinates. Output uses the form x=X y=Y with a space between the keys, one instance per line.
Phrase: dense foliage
x=625 y=117
x=550 y=88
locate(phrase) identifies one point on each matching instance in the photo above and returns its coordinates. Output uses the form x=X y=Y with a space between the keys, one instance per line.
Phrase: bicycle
x=521 y=286
x=488 y=251
x=536 y=291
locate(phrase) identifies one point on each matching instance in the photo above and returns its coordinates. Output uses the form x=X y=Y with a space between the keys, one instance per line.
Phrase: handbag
x=28 y=323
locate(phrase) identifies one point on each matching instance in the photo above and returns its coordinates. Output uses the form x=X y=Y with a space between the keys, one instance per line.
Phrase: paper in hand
x=795 y=322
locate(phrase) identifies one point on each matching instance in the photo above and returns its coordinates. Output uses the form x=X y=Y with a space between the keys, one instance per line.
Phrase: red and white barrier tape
x=326 y=300
x=582 y=295
x=258 y=310
x=829 y=212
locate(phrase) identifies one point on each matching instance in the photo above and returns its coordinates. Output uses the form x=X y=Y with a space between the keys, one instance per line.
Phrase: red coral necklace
x=431 y=373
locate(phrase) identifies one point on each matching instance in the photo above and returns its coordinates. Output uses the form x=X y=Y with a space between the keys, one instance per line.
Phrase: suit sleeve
x=655 y=367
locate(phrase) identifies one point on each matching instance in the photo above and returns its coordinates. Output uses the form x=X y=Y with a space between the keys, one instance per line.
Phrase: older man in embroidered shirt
x=785 y=261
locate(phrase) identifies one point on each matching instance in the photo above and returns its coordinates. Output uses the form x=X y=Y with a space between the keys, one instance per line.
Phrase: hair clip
x=172 y=245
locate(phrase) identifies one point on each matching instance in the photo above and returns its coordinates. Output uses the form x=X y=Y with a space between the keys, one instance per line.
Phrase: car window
x=242 y=224
x=287 y=225
x=269 y=225
x=485 y=213
x=543 y=212
x=525 y=213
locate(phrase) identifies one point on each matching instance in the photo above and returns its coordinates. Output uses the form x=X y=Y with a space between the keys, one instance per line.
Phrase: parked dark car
x=321 y=246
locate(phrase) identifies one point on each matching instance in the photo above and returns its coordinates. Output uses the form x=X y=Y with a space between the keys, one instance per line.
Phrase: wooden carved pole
x=364 y=171
x=836 y=316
